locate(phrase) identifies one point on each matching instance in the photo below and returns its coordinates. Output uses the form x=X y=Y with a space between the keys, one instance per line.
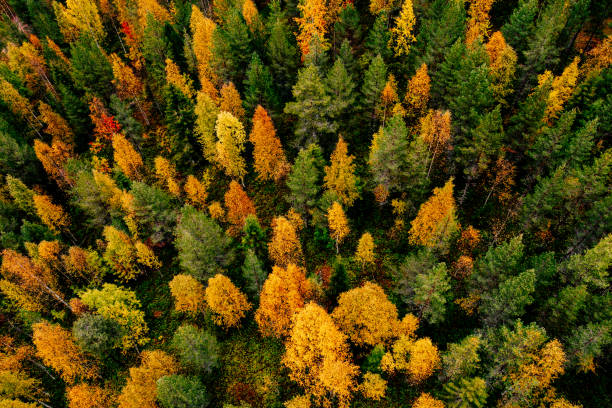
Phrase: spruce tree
x=340 y=87
x=258 y=87
x=305 y=179
x=374 y=81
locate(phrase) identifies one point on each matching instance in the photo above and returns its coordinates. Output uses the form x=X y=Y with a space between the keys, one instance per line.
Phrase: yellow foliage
x=52 y=215
x=127 y=84
x=340 y=175
x=436 y=132
x=216 y=211
x=141 y=388
x=562 y=89
x=283 y=294
x=502 y=66
x=57 y=127
x=312 y=21
x=166 y=173
x=151 y=6
x=146 y=256
x=268 y=155
x=402 y=35
x=436 y=220
x=478 y=23
x=373 y=386
x=284 y=247
x=230 y=101
x=299 y=401
x=338 y=224
x=188 y=294
x=379 y=6
x=318 y=358
x=417 y=358
x=563 y=403
x=87 y=396
x=49 y=251
x=126 y=157
x=14 y=101
x=417 y=92
x=196 y=192
x=366 y=315
x=53 y=158
x=250 y=13
x=365 y=250
x=202 y=29
x=599 y=57
x=180 y=81
x=227 y=302
x=55 y=347
x=427 y=401
x=206 y=112
x=79 y=17
x=239 y=207
x=230 y=144
x=120 y=253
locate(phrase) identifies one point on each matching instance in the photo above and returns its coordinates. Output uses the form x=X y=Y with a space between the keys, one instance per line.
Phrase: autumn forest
x=305 y=203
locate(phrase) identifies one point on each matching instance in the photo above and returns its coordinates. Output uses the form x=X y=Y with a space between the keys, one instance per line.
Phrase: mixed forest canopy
x=305 y=203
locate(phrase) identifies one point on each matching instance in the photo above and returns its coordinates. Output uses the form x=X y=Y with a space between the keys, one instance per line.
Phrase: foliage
x=197 y=349
x=227 y=303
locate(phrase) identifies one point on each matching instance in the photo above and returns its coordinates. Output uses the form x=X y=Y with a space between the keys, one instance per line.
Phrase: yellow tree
x=126 y=157
x=312 y=21
x=340 y=175
x=389 y=101
x=239 y=207
x=379 y=6
x=436 y=221
x=425 y=400
x=120 y=253
x=338 y=224
x=284 y=247
x=318 y=358
x=402 y=35
x=196 y=192
x=478 y=23
x=57 y=127
x=226 y=301
x=146 y=7
x=365 y=250
x=417 y=92
x=230 y=144
x=188 y=294
x=57 y=349
x=284 y=293
x=79 y=17
x=268 y=155
x=373 y=386
x=435 y=131
x=502 y=66
x=141 y=388
x=166 y=173
x=53 y=159
x=418 y=359
x=127 y=84
x=52 y=215
x=88 y=396
x=562 y=89
x=367 y=316
x=178 y=80
x=206 y=111
x=230 y=101
x=202 y=29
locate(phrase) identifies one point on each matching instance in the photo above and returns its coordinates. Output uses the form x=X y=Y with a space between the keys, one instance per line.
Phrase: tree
x=561 y=91
x=97 y=334
x=232 y=46
x=340 y=175
x=425 y=400
x=509 y=299
x=520 y=26
x=311 y=107
x=365 y=250
x=153 y=210
x=419 y=359
x=402 y=31
x=367 y=316
x=179 y=391
x=206 y=111
x=87 y=396
x=57 y=126
x=122 y=306
x=284 y=293
x=317 y=357
x=338 y=224
x=141 y=388
x=52 y=215
x=435 y=132
x=230 y=101
x=374 y=81
x=188 y=294
x=268 y=155
x=57 y=349
x=502 y=66
x=239 y=207
x=373 y=386
x=90 y=68
x=466 y=393
x=230 y=144
x=127 y=84
x=203 y=248
x=461 y=359
x=312 y=22
x=341 y=87
x=430 y=293
x=417 y=92
x=126 y=157
x=435 y=221
x=284 y=247
x=253 y=273
x=196 y=192
x=176 y=79
x=53 y=159
x=305 y=178
x=166 y=173
x=202 y=29
x=197 y=349
x=120 y=253
x=228 y=304
x=259 y=86
x=281 y=51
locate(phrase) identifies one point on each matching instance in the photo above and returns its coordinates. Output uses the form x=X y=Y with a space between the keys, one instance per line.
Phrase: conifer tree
x=305 y=178
x=502 y=66
x=239 y=207
x=259 y=86
x=232 y=47
x=281 y=51
x=202 y=29
x=230 y=144
x=365 y=250
x=338 y=224
x=340 y=86
x=401 y=33
x=52 y=215
x=196 y=192
x=340 y=175
x=268 y=155
x=166 y=173
x=388 y=155
x=374 y=81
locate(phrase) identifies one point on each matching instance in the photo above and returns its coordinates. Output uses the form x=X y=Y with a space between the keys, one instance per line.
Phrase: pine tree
x=311 y=106
x=253 y=273
x=90 y=68
x=374 y=81
x=388 y=155
x=465 y=393
x=230 y=144
x=502 y=66
x=232 y=47
x=340 y=87
x=268 y=155
x=520 y=25
x=197 y=349
x=430 y=291
x=281 y=52
x=259 y=86
x=377 y=40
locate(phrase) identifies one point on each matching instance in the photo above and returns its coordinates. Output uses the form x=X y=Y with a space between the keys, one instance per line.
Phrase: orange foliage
x=417 y=93
x=478 y=23
x=462 y=268
x=268 y=155
x=188 y=294
x=178 y=80
x=87 y=396
x=53 y=159
x=196 y=192
x=57 y=126
x=166 y=173
x=312 y=21
x=126 y=157
x=127 y=84
x=52 y=215
x=435 y=131
x=226 y=301
x=230 y=101
x=239 y=206
x=285 y=246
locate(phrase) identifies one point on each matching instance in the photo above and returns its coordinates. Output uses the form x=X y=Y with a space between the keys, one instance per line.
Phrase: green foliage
x=259 y=87
x=90 y=69
x=97 y=334
x=466 y=393
x=253 y=273
x=305 y=178
x=154 y=212
x=372 y=361
x=430 y=293
x=179 y=391
x=197 y=350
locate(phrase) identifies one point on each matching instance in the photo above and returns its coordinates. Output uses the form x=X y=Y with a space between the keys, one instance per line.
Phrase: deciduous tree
x=340 y=175
x=230 y=144
x=188 y=294
x=365 y=250
x=401 y=33
x=417 y=92
x=228 y=303
x=239 y=207
x=52 y=215
x=88 y=396
x=284 y=247
x=126 y=157
x=312 y=21
x=269 y=158
x=338 y=224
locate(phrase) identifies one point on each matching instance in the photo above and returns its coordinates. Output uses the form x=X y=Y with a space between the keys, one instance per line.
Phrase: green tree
x=197 y=349
x=180 y=118
x=340 y=86
x=378 y=37
x=91 y=70
x=179 y=391
x=97 y=334
x=203 y=247
x=509 y=299
x=374 y=81
x=232 y=47
x=389 y=153
x=521 y=24
x=430 y=293
x=305 y=178
x=466 y=393
x=154 y=211
x=258 y=87
x=281 y=51
x=253 y=273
